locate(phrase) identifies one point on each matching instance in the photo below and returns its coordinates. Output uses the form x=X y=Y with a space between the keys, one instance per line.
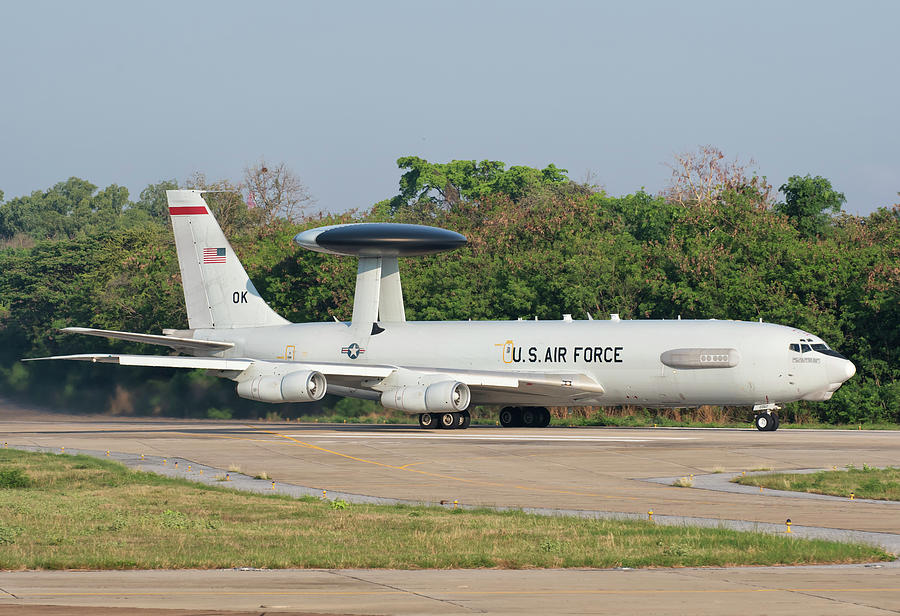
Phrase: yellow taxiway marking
x=405 y=468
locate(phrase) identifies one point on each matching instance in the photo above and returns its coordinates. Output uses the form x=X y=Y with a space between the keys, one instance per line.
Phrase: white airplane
x=437 y=370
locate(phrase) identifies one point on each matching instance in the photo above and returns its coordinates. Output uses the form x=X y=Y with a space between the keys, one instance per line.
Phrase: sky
x=134 y=93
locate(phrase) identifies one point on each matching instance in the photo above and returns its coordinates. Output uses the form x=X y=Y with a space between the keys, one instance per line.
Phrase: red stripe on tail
x=179 y=210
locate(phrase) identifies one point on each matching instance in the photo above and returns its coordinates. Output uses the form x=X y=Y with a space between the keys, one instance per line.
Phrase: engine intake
x=444 y=396
x=301 y=386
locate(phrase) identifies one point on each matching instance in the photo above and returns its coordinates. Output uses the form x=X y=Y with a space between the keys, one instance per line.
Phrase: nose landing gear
x=765 y=418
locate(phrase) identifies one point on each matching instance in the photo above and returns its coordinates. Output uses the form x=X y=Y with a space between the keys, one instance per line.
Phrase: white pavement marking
x=505 y=437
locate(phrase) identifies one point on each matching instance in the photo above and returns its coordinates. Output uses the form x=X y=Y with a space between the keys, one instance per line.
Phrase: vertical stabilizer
x=217 y=291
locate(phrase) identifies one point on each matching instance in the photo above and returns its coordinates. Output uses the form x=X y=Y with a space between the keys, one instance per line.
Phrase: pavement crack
x=797 y=591
x=6 y=592
x=405 y=590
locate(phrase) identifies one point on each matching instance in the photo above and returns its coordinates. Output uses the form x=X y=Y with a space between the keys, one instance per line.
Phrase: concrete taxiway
x=572 y=469
x=701 y=592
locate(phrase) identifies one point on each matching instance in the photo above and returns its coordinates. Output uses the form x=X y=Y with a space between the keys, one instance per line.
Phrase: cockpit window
x=805 y=348
x=794 y=347
x=823 y=348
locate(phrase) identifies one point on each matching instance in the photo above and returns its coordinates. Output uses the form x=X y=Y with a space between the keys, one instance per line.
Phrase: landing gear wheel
x=448 y=421
x=464 y=420
x=427 y=421
x=775 y=422
x=530 y=418
x=765 y=422
x=544 y=416
x=510 y=416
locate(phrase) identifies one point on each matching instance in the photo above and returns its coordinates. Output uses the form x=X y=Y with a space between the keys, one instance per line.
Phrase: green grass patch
x=865 y=482
x=82 y=512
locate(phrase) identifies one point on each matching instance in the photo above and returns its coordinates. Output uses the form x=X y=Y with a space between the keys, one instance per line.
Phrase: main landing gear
x=524 y=416
x=447 y=421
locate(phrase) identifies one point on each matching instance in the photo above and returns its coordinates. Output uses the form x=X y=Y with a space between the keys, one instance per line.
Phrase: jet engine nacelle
x=301 y=386
x=452 y=396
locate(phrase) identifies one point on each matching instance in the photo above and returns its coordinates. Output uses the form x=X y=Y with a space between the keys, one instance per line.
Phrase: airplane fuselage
x=715 y=362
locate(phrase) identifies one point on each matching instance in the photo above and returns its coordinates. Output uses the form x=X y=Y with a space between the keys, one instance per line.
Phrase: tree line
x=719 y=242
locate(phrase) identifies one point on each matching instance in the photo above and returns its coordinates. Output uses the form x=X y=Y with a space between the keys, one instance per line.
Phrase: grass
x=76 y=512
x=865 y=482
x=683 y=482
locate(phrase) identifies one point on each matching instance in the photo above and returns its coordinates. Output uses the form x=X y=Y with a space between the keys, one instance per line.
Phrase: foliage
x=426 y=187
x=14 y=478
x=713 y=245
x=809 y=202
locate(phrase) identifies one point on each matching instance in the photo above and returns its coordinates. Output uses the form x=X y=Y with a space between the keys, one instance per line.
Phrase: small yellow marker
x=107 y=453
x=189 y=468
x=164 y=461
x=201 y=471
x=650 y=515
x=692 y=476
x=852 y=495
x=273 y=485
x=61 y=449
x=227 y=477
x=760 y=488
x=788 y=524
x=743 y=473
x=455 y=504
x=142 y=456
x=176 y=463
x=324 y=494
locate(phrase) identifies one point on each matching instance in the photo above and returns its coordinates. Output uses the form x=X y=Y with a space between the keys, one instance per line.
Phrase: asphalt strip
x=200 y=473
x=498 y=437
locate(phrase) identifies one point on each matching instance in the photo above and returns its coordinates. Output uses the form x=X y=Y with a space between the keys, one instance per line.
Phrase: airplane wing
x=488 y=386
x=356 y=380
x=157 y=361
x=485 y=385
x=179 y=344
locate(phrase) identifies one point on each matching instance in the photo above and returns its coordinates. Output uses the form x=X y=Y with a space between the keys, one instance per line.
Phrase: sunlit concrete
x=586 y=469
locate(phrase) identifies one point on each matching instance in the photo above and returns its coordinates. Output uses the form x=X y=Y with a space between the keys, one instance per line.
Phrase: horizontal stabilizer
x=158 y=361
x=180 y=344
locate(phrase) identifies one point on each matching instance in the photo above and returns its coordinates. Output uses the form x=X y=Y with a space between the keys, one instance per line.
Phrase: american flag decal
x=214 y=255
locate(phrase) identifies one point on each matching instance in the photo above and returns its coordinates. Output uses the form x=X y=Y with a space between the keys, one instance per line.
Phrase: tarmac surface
x=587 y=471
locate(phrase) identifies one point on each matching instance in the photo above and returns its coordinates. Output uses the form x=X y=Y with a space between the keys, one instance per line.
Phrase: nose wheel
x=766 y=422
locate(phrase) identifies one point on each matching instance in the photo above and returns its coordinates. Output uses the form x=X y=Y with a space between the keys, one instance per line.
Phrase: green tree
x=427 y=187
x=152 y=202
x=809 y=202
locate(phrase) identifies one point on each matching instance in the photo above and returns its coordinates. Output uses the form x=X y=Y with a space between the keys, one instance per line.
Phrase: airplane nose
x=840 y=370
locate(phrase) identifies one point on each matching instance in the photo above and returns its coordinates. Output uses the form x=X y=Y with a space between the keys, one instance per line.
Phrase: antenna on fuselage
x=379 y=293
